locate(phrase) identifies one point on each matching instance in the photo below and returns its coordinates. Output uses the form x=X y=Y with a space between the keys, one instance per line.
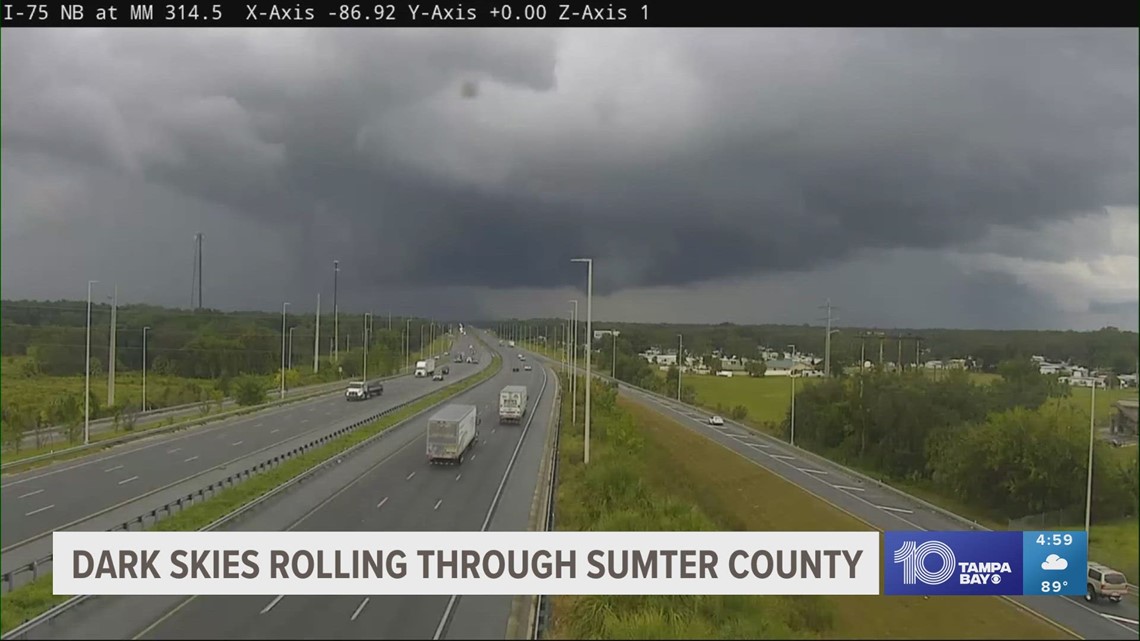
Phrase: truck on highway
x=450 y=433
x=363 y=390
x=425 y=368
x=510 y=344
x=512 y=404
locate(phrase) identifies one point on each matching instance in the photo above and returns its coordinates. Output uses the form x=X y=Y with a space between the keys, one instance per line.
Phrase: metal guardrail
x=8 y=579
x=542 y=605
x=148 y=432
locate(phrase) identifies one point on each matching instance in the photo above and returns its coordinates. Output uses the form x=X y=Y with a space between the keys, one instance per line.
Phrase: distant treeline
x=1108 y=348
x=206 y=344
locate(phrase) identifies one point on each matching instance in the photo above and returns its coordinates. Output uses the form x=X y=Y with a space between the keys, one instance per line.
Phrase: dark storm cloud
x=743 y=152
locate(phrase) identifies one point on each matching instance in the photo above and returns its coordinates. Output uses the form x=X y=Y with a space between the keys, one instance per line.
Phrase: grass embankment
x=35 y=598
x=649 y=473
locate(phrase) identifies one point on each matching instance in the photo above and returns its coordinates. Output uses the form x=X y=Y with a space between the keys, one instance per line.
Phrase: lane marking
x=125 y=481
x=192 y=458
x=894 y=509
x=759 y=446
x=177 y=449
x=807 y=470
x=259 y=425
x=437 y=504
x=1116 y=618
x=782 y=457
x=381 y=503
x=473 y=457
x=409 y=477
x=849 y=488
x=24 y=496
x=275 y=430
x=457 y=476
x=304 y=420
x=42 y=509
x=238 y=443
x=272 y=603
x=117 y=467
x=359 y=608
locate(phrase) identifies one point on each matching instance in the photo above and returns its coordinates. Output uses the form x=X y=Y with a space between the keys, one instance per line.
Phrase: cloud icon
x=1054 y=562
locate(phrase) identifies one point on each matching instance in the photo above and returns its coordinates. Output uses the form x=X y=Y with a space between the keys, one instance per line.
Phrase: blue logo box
x=953 y=563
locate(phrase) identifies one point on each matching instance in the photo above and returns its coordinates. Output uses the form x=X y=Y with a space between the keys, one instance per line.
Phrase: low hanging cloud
x=487 y=159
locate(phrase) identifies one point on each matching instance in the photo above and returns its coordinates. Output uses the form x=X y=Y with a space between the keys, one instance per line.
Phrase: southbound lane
x=41 y=501
x=403 y=494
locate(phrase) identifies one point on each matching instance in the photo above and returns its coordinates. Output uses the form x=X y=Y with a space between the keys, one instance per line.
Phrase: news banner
x=570 y=563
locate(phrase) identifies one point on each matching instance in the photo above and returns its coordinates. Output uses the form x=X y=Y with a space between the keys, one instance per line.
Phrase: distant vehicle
x=445 y=371
x=522 y=357
x=425 y=368
x=451 y=432
x=363 y=390
x=526 y=367
x=1105 y=583
x=510 y=343
x=514 y=368
x=512 y=404
x=716 y=420
x=438 y=376
x=458 y=359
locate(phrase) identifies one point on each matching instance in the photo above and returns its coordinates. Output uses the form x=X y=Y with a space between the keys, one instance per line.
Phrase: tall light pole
x=589 y=346
x=111 y=355
x=1092 y=436
x=336 y=313
x=574 y=363
x=680 y=350
x=145 y=330
x=792 y=375
x=613 y=372
x=367 y=319
x=87 y=385
x=407 y=343
x=291 y=346
x=283 y=332
x=317 y=337
x=421 y=342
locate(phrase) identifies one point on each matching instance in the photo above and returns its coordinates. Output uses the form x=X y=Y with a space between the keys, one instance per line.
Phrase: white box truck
x=451 y=432
x=512 y=404
x=511 y=344
x=425 y=368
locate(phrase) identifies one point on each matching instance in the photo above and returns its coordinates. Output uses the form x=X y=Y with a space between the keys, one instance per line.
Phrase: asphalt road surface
x=886 y=509
x=387 y=487
x=68 y=495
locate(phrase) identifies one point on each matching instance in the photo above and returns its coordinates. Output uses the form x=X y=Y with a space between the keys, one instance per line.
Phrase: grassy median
x=35 y=598
x=649 y=473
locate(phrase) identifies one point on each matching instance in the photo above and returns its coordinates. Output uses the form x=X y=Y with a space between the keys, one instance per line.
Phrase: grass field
x=647 y=472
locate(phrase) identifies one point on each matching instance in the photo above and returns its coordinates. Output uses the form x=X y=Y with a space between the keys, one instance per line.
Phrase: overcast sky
x=916 y=178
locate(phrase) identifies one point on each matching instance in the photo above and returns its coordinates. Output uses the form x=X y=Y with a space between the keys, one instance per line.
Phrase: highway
x=884 y=508
x=388 y=486
x=102 y=490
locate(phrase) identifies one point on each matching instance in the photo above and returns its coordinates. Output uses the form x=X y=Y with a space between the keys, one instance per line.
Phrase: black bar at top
x=541 y=13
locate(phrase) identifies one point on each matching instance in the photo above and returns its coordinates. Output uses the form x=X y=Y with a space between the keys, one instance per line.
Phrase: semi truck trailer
x=451 y=432
x=425 y=368
x=512 y=404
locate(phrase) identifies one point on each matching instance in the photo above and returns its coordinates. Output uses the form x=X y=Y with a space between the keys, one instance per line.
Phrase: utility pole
x=1092 y=437
x=284 y=306
x=367 y=321
x=291 y=346
x=613 y=371
x=827 y=341
x=792 y=421
x=680 y=350
x=589 y=348
x=336 y=313
x=574 y=363
x=317 y=338
x=111 y=349
x=87 y=384
x=145 y=330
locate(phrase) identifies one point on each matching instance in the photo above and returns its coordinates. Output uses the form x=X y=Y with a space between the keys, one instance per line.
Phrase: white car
x=716 y=420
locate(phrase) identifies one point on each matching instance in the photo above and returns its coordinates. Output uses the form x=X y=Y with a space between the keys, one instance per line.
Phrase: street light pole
x=589 y=347
x=291 y=346
x=336 y=313
x=87 y=385
x=574 y=364
x=792 y=375
x=145 y=330
x=680 y=350
x=283 y=332
x=407 y=343
x=367 y=319
x=317 y=337
x=1092 y=436
x=613 y=372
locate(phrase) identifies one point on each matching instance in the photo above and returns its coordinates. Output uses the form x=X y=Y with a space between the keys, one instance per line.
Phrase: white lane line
x=359 y=608
x=457 y=476
x=894 y=509
x=1122 y=619
x=304 y=420
x=125 y=481
x=759 y=446
x=275 y=430
x=117 y=467
x=437 y=504
x=177 y=449
x=782 y=457
x=24 y=496
x=272 y=603
x=42 y=509
x=492 y=430
x=808 y=470
x=259 y=425
x=849 y=488
x=192 y=458
x=238 y=443
x=381 y=503
x=409 y=477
